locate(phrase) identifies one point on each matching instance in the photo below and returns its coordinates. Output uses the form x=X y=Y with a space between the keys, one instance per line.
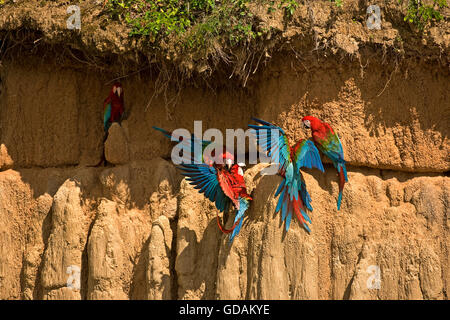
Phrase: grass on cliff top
x=231 y=20
x=203 y=27
x=420 y=13
x=195 y=25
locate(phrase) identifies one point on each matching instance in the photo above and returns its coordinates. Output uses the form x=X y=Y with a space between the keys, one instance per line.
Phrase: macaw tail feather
x=239 y=217
x=339 y=200
x=236 y=230
x=222 y=227
x=345 y=171
x=301 y=215
x=342 y=180
x=289 y=205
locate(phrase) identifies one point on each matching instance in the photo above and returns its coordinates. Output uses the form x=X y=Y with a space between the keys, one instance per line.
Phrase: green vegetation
x=338 y=3
x=288 y=6
x=421 y=14
x=205 y=28
x=195 y=25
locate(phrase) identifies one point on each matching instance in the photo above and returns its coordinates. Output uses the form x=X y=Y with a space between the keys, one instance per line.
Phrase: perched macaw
x=292 y=190
x=113 y=107
x=189 y=154
x=328 y=142
x=225 y=186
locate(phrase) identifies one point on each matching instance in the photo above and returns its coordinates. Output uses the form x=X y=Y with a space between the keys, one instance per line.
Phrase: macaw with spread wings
x=293 y=196
x=224 y=185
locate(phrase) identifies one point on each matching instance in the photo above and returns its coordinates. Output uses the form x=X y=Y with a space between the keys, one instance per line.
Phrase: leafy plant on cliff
x=338 y=3
x=193 y=24
x=420 y=14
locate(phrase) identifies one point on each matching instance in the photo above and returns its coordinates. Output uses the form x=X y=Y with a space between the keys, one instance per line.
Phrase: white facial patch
x=307 y=123
x=240 y=171
x=229 y=162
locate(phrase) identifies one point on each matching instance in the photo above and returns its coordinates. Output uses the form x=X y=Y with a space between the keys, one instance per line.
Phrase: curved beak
x=229 y=163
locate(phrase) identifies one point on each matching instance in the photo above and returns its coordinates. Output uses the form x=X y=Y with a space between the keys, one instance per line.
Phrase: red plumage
x=116 y=100
x=297 y=204
x=233 y=185
x=238 y=182
x=320 y=130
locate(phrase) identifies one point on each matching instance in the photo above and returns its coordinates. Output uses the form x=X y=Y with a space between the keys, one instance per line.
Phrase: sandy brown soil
x=136 y=230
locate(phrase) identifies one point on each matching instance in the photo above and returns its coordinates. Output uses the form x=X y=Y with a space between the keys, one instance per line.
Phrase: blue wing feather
x=279 y=152
x=308 y=156
x=204 y=178
x=293 y=186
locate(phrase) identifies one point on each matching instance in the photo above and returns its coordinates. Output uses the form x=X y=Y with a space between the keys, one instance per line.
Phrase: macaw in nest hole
x=113 y=107
x=198 y=156
x=224 y=185
x=294 y=197
x=328 y=142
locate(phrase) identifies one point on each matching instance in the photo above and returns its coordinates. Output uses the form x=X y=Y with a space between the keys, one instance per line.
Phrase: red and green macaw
x=113 y=106
x=328 y=142
x=225 y=186
x=223 y=183
x=294 y=198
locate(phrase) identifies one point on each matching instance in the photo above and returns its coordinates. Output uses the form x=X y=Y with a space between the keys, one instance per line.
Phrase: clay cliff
x=135 y=229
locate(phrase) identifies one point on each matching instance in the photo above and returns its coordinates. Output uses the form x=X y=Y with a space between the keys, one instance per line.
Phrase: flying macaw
x=189 y=153
x=225 y=186
x=292 y=190
x=328 y=142
x=113 y=107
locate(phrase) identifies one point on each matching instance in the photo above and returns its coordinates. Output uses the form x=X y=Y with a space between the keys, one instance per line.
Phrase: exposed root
x=390 y=77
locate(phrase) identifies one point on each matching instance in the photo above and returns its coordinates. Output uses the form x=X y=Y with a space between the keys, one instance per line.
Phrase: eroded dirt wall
x=136 y=230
